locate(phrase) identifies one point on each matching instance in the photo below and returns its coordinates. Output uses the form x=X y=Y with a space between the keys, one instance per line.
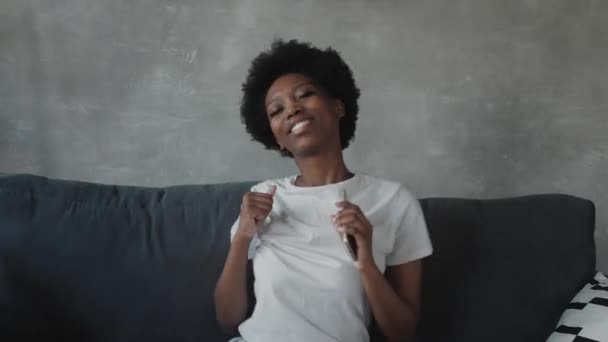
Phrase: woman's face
x=303 y=118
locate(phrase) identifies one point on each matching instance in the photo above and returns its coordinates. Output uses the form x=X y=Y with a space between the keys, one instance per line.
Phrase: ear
x=339 y=108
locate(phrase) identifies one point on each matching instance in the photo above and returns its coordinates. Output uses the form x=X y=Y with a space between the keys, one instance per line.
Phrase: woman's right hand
x=256 y=206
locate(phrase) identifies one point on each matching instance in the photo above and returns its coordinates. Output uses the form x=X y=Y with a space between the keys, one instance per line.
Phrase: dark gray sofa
x=92 y=262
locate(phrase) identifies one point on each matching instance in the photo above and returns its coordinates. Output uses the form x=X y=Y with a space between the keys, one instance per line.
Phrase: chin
x=307 y=151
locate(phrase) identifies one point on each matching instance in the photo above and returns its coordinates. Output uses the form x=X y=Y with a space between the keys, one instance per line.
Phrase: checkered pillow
x=586 y=318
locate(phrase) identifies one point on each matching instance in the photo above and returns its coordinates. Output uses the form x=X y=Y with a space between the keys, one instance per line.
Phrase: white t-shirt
x=307 y=287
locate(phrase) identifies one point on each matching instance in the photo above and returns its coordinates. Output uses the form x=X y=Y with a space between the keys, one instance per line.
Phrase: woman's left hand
x=351 y=220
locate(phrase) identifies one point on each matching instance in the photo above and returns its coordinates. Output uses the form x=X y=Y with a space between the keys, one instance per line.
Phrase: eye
x=307 y=93
x=274 y=112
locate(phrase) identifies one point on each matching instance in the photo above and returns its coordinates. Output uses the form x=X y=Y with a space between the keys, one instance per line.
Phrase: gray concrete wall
x=471 y=98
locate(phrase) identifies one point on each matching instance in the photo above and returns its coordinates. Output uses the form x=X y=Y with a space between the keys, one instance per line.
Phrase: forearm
x=396 y=318
x=231 y=288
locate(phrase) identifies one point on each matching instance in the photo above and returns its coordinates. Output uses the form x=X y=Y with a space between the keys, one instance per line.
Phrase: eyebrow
x=296 y=87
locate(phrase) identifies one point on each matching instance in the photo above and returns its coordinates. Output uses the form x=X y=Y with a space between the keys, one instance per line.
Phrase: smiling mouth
x=299 y=127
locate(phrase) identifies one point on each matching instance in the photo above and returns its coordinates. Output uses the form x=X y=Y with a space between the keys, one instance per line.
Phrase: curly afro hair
x=325 y=67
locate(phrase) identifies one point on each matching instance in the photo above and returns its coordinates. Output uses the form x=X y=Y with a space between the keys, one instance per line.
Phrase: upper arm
x=406 y=280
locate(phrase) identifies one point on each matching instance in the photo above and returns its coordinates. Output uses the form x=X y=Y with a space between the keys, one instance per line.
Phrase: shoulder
x=397 y=191
x=399 y=202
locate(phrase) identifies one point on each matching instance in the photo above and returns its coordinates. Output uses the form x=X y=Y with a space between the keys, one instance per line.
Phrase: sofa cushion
x=22 y=318
x=586 y=317
x=504 y=269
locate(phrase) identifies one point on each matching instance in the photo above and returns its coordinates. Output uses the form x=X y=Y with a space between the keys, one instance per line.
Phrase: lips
x=298 y=126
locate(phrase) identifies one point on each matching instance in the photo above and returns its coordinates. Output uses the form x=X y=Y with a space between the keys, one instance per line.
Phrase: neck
x=322 y=170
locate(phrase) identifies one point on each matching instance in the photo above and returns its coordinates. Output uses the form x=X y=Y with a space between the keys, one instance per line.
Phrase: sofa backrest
x=113 y=263
x=102 y=262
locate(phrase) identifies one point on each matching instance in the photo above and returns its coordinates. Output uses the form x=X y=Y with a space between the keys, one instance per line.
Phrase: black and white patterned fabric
x=586 y=318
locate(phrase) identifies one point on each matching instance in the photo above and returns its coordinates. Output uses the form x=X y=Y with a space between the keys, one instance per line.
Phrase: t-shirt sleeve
x=412 y=240
x=260 y=187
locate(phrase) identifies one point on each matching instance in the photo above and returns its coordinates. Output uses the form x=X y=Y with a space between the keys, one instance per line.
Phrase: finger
x=349 y=229
x=355 y=211
x=261 y=207
x=343 y=211
x=273 y=190
x=354 y=222
x=346 y=204
x=255 y=207
x=261 y=196
x=261 y=200
x=350 y=212
x=346 y=219
x=259 y=220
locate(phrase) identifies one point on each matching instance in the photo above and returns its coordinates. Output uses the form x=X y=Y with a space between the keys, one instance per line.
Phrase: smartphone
x=347 y=239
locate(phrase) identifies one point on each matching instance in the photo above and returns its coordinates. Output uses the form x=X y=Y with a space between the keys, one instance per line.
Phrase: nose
x=294 y=108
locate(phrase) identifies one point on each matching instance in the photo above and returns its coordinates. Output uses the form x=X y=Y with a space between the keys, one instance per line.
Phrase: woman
x=302 y=102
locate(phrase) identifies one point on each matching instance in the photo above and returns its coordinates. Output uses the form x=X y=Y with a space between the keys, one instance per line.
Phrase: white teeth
x=298 y=127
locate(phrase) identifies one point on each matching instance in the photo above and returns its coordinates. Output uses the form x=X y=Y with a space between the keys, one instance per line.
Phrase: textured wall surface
x=471 y=98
